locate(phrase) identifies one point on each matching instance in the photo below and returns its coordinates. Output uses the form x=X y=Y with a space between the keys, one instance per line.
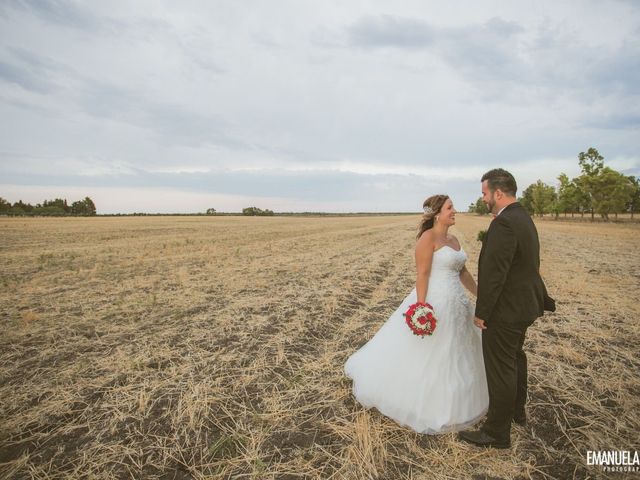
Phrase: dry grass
x=194 y=347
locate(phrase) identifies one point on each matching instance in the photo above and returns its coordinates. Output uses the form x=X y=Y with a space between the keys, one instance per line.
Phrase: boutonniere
x=482 y=234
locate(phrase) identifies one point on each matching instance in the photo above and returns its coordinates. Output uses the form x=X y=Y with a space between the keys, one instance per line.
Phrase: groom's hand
x=479 y=323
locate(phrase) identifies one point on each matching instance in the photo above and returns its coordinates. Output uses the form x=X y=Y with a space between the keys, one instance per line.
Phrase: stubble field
x=212 y=347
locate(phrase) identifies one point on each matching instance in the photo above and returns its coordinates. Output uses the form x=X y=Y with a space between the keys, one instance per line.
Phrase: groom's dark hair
x=499 y=178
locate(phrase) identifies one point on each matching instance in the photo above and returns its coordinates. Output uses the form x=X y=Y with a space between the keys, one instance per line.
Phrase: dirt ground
x=213 y=347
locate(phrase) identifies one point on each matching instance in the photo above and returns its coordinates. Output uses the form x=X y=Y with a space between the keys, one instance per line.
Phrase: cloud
x=265 y=183
x=168 y=121
x=400 y=190
x=12 y=73
x=29 y=71
x=620 y=121
x=503 y=58
x=342 y=100
x=618 y=71
x=369 y=192
x=60 y=12
x=390 y=31
x=101 y=99
x=488 y=55
x=485 y=52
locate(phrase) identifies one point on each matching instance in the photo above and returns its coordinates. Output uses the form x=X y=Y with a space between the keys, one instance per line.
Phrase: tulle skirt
x=435 y=384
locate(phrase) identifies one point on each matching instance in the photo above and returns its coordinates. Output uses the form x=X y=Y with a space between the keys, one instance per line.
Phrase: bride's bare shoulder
x=425 y=240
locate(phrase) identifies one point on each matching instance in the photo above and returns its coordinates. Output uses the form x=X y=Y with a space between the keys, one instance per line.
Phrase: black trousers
x=505 y=364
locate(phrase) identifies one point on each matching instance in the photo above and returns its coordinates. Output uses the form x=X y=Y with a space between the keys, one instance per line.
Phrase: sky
x=358 y=106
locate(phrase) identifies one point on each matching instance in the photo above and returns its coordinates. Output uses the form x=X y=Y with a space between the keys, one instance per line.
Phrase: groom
x=511 y=295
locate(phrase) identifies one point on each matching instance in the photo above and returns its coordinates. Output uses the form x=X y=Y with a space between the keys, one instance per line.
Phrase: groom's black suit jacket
x=510 y=289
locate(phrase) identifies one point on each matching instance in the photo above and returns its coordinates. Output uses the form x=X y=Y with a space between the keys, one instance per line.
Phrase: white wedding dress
x=434 y=384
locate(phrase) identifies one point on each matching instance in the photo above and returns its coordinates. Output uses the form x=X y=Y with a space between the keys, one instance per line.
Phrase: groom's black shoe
x=483 y=439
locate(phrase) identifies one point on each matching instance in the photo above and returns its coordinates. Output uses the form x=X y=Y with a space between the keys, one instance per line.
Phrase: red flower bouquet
x=420 y=318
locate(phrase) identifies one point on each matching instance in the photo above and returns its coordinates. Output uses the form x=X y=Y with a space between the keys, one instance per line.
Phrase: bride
x=437 y=383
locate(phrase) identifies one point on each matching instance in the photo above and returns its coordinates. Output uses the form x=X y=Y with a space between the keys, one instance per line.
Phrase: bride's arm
x=424 y=257
x=468 y=281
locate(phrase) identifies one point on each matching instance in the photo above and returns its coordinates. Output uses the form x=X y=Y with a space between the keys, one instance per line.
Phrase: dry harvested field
x=212 y=347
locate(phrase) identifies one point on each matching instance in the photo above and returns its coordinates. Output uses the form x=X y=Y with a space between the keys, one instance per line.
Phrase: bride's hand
x=479 y=323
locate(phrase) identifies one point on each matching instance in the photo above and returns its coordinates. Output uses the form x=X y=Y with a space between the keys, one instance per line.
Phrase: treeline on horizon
x=55 y=208
x=60 y=207
x=599 y=189
x=238 y=214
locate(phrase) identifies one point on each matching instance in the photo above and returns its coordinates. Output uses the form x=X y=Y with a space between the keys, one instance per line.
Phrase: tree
x=20 y=208
x=17 y=211
x=78 y=207
x=479 y=207
x=606 y=190
x=90 y=206
x=58 y=206
x=48 y=210
x=252 y=211
x=634 y=201
x=539 y=198
x=591 y=162
x=526 y=200
x=584 y=198
x=569 y=195
x=60 y=203
x=543 y=197
x=83 y=207
x=4 y=205
x=554 y=207
x=610 y=191
x=211 y=211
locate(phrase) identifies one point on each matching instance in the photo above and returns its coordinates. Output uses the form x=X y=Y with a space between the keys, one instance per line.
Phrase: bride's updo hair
x=432 y=207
